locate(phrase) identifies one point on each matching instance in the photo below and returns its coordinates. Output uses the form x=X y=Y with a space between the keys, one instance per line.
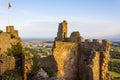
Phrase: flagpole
x=8 y=12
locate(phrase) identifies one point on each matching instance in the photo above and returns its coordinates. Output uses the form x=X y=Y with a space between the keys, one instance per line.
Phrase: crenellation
x=75 y=37
x=87 y=40
x=105 y=44
x=96 y=41
x=10 y=29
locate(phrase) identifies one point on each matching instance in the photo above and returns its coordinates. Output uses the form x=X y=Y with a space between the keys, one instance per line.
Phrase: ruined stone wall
x=95 y=67
x=6 y=63
x=86 y=52
x=27 y=64
x=7 y=38
x=85 y=60
x=104 y=59
x=65 y=54
x=89 y=66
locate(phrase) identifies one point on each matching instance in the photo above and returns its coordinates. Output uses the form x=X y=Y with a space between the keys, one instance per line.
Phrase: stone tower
x=7 y=62
x=80 y=60
x=10 y=29
x=7 y=38
x=62 y=31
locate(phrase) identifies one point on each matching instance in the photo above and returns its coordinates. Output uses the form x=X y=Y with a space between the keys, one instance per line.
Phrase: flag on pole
x=9 y=5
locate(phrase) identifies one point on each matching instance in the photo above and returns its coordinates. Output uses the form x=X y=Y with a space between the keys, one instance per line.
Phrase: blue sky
x=40 y=18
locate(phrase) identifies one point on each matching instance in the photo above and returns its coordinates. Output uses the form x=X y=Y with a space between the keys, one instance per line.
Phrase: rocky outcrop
x=80 y=60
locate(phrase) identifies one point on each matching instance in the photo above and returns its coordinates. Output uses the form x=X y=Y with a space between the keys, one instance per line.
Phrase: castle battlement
x=7 y=38
x=10 y=29
x=98 y=45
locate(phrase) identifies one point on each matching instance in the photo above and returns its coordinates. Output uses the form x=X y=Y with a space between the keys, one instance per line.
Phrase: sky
x=40 y=18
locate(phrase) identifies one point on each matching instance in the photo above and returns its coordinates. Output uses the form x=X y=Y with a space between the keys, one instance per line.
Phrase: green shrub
x=12 y=75
x=15 y=50
x=36 y=64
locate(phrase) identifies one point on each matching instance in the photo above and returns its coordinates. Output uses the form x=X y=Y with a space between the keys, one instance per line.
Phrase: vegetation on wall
x=16 y=50
x=36 y=65
x=36 y=62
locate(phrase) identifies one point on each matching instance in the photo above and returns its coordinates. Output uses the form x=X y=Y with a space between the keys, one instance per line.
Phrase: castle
x=10 y=62
x=76 y=59
x=80 y=60
x=7 y=38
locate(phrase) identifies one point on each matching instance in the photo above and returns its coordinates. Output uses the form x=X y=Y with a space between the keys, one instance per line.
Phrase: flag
x=9 y=5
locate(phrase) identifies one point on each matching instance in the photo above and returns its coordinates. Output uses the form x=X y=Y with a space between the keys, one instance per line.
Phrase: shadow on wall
x=85 y=72
x=49 y=65
x=70 y=65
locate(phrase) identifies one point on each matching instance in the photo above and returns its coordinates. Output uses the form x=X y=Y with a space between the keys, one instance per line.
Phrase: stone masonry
x=80 y=60
x=6 y=63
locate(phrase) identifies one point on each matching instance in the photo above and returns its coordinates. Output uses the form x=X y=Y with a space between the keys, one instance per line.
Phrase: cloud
x=48 y=26
x=94 y=27
x=38 y=30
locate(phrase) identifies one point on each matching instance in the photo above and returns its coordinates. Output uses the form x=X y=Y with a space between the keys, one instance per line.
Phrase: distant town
x=115 y=43
x=49 y=43
x=38 y=43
